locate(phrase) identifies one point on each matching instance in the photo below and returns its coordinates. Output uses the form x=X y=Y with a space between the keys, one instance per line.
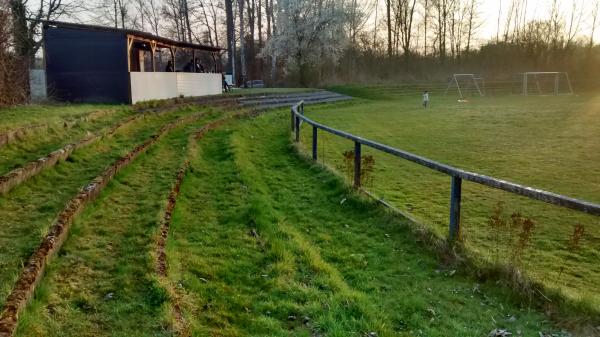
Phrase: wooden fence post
x=314 y=144
x=293 y=118
x=455 y=198
x=357 y=159
x=297 y=129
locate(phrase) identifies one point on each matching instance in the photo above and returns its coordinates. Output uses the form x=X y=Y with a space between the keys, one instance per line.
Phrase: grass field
x=551 y=143
x=265 y=243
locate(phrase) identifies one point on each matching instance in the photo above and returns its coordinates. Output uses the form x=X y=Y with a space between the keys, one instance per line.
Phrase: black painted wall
x=86 y=65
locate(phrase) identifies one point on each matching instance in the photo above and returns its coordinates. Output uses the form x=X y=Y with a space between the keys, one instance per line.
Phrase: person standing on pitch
x=425 y=99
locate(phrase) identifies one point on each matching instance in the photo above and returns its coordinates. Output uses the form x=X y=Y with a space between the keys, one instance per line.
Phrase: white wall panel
x=149 y=86
x=199 y=84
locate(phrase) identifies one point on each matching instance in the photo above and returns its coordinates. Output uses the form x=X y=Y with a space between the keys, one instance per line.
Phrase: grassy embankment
x=28 y=210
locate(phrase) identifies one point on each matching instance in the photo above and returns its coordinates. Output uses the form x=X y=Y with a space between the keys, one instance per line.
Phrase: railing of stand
x=457 y=175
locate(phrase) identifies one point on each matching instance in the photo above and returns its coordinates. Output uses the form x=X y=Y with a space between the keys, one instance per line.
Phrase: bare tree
x=153 y=15
x=186 y=16
x=269 y=14
x=426 y=4
x=594 y=15
x=114 y=12
x=499 y=18
x=405 y=17
x=473 y=23
x=574 y=24
x=172 y=13
x=442 y=13
x=27 y=22
x=260 y=24
x=555 y=23
x=389 y=26
x=208 y=17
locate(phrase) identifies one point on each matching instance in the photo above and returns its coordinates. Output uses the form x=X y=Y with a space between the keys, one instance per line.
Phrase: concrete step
x=312 y=101
x=292 y=100
x=257 y=97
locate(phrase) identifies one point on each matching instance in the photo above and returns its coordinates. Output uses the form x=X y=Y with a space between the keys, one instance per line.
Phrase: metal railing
x=457 y=175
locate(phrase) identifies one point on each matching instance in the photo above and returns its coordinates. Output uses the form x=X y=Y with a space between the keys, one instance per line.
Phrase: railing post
x=293 y=119
x=314 y=143
x=297 y=129
x=455 y=197
x=357 y=159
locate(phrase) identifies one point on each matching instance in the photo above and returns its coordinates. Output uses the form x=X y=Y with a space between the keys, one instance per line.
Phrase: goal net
x=546 y=83
x=466 y=85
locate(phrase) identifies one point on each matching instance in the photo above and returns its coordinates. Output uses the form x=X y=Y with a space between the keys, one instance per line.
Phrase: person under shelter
x=169 y=68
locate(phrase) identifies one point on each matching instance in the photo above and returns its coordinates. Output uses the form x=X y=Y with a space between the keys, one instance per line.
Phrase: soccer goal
x=466 y=83
x=546 y=83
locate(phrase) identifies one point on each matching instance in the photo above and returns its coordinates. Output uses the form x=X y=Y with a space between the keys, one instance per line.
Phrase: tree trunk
x=260 y=38
x=23 y=43
x=123 y=13
x=273 y=33
x=242 y=47
x=470 y=29
x=186 y=13
x=230 y=38
x=389 y=26
x=251 y=51
x=116 y=14
x=260 y=24
x=425 y=24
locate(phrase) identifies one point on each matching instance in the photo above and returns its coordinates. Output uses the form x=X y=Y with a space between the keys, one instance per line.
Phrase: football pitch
x=547 y=142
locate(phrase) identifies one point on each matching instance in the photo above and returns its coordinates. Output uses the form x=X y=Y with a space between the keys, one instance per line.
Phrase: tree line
x=287 y=42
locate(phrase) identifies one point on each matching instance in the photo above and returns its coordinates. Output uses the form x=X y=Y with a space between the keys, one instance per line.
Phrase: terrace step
x=308 y=101
x=285 y=100
x=258 y=97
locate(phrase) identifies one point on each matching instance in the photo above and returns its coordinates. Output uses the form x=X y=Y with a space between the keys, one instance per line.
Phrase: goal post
x=546 y=82
x=469 y=78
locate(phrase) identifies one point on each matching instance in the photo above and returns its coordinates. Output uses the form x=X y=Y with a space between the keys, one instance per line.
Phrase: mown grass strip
x=34 y=269
x=233 y=262
x=161 y=264
x=11 y=136
x=22 y=132
x=19 y=175
x=354 y=309
x=56 y=136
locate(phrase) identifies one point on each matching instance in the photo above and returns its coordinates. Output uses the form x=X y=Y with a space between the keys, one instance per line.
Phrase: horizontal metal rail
x=457 y=174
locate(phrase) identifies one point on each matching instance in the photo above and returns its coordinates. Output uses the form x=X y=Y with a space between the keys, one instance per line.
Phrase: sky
x=536 y=9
